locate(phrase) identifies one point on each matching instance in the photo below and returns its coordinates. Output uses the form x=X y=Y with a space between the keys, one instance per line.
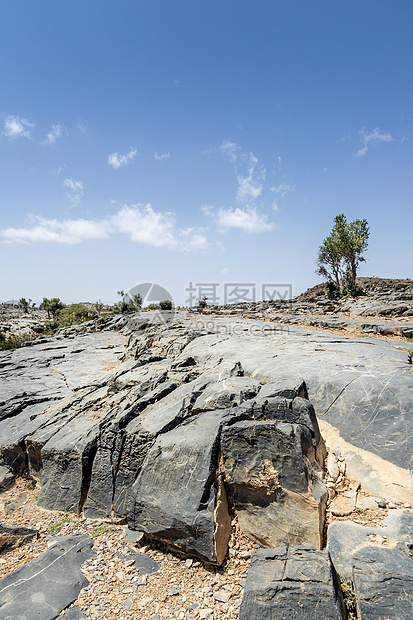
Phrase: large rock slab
x=345 y=538
x=356 y=384
x=383 y=581
x=297 y=583
x=269 y=463
x=178 y=496
x=44 y=587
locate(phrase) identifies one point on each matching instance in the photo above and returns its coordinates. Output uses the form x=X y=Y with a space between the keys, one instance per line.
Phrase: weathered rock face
x=161 y=422
x=383 y=580
x=345 y=539
x=291 y=582
x=269 y=461
x=178 y=496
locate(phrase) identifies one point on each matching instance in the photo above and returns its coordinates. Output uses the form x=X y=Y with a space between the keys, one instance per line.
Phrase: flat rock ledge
x=44 y=587
x=298 y=583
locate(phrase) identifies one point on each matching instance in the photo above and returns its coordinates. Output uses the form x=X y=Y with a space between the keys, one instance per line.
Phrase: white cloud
x=246 y=219
x=16 y=127
x=65 y=231
x=81 y=126
x=163 y=156
x=282 y=189
x=117 y=161
x=249 y=187
x=250 y=179
x=75 y=192
x=53 y=134
x=144 y=225
x=140 y=222
x=231 y=149
x=374 y=137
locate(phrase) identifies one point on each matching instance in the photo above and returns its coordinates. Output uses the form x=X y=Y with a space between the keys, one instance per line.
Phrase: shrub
x=166 y=304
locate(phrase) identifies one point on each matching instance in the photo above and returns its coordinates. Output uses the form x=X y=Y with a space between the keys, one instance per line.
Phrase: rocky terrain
x=195 y=440
x=13 y=321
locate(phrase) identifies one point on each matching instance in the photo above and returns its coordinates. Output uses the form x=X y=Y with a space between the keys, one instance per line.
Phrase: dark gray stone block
x=6 y=479
x=383 y=581
x=44 y=587
x=177 y=497
x=144 y=564
x=278 y=498
x=345 y=538
x=297 y=583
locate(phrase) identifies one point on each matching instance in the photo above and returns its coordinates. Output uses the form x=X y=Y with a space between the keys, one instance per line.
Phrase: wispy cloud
x=16 y=127
x=282 y=189
x=117 y=161
x=249 y=173
x=139 y=222
x=163 y=156
x=53 y=135
x=247 y=219
x=374 y=137
x=75 y=192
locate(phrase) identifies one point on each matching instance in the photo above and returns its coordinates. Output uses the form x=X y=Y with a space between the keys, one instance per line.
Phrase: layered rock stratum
x=185 y=424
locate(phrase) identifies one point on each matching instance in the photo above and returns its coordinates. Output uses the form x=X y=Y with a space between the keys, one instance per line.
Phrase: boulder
x=269 y=463
x=178 y=496
x=6 y=479
x=290 y=582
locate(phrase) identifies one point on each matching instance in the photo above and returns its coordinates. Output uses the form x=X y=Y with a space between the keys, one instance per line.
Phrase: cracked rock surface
x=176 y=425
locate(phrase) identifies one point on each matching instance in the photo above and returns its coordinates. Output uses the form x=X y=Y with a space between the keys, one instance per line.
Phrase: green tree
x=341 y=253
x=24 y=304
x=128 y=303
x=45 y=305
x=136 y=302
x=52 y=306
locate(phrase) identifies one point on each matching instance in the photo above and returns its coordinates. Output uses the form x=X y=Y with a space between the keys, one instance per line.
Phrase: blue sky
x=178 y=141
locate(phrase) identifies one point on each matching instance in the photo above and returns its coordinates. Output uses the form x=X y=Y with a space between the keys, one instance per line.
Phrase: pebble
x=127 y=603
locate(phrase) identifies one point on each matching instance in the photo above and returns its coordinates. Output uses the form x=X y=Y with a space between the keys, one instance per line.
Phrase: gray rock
x=121 y=446
x=383 y=581
x=277 y=495
x=177 y=498
x=6 y=479
x=291 y=583
x=345 y=538
x=131 y=536
x=47 y=585
x=353 y=383
x=14 y=536
x=127 y=603
x=144 y=564
x=74 y=613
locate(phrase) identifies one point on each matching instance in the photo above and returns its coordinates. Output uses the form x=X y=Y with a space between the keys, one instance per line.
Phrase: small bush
x=14 y=342
x=153 y=307
x=334 y=291
x=166 y=304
